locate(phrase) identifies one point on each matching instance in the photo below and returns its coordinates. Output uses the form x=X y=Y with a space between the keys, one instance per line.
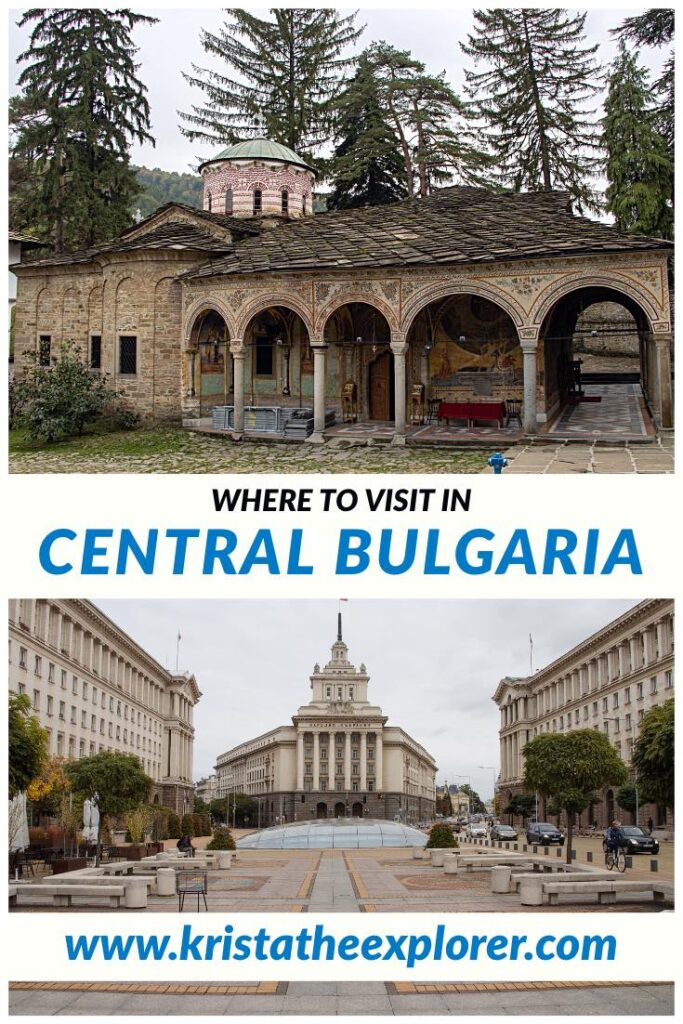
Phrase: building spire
x=339 y=627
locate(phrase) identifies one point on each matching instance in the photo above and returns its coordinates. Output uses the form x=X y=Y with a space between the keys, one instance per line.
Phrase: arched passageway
x=360 y=364
x=211 y=365
x=278 y=366
x=340 y=810
x=357 y=810
x=321 y=810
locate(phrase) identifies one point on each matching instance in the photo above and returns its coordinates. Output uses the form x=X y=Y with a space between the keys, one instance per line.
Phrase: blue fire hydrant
x=497 y=462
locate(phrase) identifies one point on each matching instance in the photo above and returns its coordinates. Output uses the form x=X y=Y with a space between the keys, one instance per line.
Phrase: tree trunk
x=540 y=114
x=570 y=836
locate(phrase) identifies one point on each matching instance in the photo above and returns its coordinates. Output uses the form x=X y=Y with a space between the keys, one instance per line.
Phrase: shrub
x=440 y=838
x=174 y=826
x=186 y=824
x=222 y=840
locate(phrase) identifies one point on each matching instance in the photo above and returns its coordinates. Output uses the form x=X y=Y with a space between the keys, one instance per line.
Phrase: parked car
x=475 y=830
x=503 y=833
x=635 y=841
x=542 y=833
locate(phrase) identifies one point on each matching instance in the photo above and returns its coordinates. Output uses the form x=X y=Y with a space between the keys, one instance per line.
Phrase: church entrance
x=321 y=810
x=381 y=387
x=340 y=810
x=212 y=363
x=357 y=810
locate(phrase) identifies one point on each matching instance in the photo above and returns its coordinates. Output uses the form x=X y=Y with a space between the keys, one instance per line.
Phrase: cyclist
x=614 y=838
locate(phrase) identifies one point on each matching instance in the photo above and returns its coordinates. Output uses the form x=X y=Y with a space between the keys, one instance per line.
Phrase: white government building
x=338 y=758
x=93 y=688
x=606 y=682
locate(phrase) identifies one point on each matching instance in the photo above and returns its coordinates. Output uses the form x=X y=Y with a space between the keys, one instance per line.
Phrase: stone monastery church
x=255 y=310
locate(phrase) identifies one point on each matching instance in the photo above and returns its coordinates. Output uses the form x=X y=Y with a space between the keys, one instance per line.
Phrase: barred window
x=44 y=349
x=128 y=354
x=228 y=202
x=95 y=352
x=285 y=201
x=258 y=200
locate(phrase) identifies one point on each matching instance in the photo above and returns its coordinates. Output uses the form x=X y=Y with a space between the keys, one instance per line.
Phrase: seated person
x=185 y=846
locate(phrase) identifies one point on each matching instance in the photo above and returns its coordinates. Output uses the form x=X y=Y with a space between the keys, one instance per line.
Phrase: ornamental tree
x=568 y=767
x=653 y=755
x=440 y=838
x=118 y=779
x=27 y=744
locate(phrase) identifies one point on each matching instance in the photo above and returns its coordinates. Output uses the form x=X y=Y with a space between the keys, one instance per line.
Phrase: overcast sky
x=433 y=665
x=172 y=46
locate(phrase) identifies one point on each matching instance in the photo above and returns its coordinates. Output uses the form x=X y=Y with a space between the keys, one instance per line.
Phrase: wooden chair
x=513 y=411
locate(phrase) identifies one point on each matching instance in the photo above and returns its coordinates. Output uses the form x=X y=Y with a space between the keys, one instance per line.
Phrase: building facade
x=607 y=682
x=207 y=789
x=339 y=758
x=93 y=688
x=253 y=302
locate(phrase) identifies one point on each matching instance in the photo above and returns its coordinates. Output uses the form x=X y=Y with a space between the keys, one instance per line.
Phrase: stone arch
x=360 y=295
x=434 y=293
x=264 y=302
x=321 y=809
x=201 y=306
x=621 y=286
x=340 y=809
x=95 y=313
x=357 y=810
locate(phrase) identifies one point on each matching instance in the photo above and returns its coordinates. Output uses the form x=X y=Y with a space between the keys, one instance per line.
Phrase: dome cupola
x=258 y=178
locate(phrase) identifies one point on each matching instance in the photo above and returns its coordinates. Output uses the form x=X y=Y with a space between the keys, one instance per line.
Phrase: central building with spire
x=339 y=758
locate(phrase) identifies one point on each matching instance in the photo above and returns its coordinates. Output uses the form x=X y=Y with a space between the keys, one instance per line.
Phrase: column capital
x=663 y=340
x=237 y=348
x=318 y=342
x=528 y=335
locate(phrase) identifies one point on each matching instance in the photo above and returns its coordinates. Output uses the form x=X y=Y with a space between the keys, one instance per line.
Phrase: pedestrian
x=185 y=846
x=650 y=825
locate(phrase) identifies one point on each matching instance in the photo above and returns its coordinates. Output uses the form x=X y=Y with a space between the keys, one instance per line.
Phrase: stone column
x=347 y=761
x=648 y=646
x=633 y=645
x=662 y=645
x=316 y=760
x=623 y=665
x=663 y=347
x=299 y=760
x=529 y=406
x=319 y=350
x=238 y=352
x=399 y=348
x=190 y=401
x=379 y=778
x=363 y=761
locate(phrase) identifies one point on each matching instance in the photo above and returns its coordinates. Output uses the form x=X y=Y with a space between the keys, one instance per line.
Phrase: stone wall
x=617 y=331
x=386 y=806
x=243 y=177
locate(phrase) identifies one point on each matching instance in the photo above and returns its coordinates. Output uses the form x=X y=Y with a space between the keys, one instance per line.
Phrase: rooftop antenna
x=177 y=652
x=339 y=619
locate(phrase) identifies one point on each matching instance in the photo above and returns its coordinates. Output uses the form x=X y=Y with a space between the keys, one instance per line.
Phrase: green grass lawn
x=172 y=449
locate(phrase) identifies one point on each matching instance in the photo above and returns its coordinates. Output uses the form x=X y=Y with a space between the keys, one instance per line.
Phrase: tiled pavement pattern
x=619 y=412
x=570 y=457
x=343 y=999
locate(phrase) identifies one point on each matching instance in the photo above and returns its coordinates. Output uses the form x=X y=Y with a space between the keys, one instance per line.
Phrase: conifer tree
x=367 y=167
x=428 y=121
x=82 y=106
x=655 y=27
x=277 y=78
x=538 y=75
x=638 y=167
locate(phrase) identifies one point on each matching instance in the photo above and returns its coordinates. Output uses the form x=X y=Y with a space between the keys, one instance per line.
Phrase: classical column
x=363 y=761
x=316 y=760
x=663 y=347
x=399 y=348
x=299 y=760
x=347 y=761
x=662 y=645
x=319 y=351
x=529 y=407
x=623 y=666
x=238 y=352
x=379 y=779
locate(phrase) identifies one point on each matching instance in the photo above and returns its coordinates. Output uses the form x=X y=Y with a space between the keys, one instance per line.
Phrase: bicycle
x=615 y=859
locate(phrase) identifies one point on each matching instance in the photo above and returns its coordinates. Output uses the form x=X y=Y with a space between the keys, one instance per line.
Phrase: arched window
x=303 y=204
x=285 y=201
x=258 y=200
x=228 y=202
x=208 y=201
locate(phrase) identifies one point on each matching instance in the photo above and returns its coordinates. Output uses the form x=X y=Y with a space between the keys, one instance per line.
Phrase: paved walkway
x=345 y=998
x=543 y=456
x=608 y=410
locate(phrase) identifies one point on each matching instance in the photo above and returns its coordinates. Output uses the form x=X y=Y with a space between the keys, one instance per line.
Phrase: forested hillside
x=159 y=187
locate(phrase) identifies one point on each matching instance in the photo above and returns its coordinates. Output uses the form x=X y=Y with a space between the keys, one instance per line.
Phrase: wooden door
x=381 y=387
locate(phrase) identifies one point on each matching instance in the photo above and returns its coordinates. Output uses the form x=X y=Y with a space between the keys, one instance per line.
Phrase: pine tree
x=531 y=98
x=656 y=28
x=82 y=106
x=638 y=167
x=279 y=78
x=367 y=167
x=428 y=121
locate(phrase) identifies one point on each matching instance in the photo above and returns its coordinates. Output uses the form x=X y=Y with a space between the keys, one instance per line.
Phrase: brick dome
x=256 y=178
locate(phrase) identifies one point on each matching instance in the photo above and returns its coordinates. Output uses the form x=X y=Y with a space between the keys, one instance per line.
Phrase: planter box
x=69 y=864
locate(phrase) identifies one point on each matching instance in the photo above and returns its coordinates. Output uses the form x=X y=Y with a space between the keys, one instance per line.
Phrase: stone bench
x=12 y=894
x=62 y=895
x=504 y=879
x=533 y=891
x=87 y=876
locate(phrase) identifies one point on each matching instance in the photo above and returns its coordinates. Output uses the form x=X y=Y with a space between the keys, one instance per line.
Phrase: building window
x=339 y=787
x=627 y=695
x=36 y=700
x=668 y=680
x=285 y=201
x=595 y=708
x=653 y=684
x=304 y=204
x=44 y=349
x=328 y=692
x=95 y=352
x=37 y=666
x=22 y=657
x=585 y=712
x=228 y=202
x=264 y=362
x=605 y=706
x=258 y=200
x=128 y=354
x=208 y=202
x=371 y=786
x=639 y=691
x=50 y=672
x=74 y=685
x=628 y=724
x=615 y=701
x=354 y=787
x=62 y=710
x=50 y=706
x=63 y=679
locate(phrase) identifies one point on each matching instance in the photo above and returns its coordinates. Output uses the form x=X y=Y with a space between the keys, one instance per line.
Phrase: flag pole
x=177 y=653
x=531 y=655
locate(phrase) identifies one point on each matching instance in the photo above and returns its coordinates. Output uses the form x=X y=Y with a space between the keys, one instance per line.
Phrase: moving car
x=475 y=830
x=542 y=833
x=503 y=833
x=636 y=841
